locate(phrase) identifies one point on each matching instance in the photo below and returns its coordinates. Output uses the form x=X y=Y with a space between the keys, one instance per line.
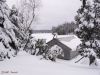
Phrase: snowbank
x=25 y=64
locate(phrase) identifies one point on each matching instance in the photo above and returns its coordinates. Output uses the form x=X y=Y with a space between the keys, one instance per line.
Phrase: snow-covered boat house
x=68 y=43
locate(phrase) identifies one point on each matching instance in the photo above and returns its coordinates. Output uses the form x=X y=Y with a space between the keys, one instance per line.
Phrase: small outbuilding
x=68 y=43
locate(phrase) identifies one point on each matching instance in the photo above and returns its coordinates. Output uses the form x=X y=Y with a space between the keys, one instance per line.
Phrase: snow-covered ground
x=25 y=64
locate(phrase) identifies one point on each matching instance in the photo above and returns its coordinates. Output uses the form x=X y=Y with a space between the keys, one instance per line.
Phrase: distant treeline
x=65 y=28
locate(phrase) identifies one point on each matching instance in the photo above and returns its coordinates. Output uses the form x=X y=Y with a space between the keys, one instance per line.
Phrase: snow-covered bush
x=30 y=48
x=53 y=53
x=41 y=45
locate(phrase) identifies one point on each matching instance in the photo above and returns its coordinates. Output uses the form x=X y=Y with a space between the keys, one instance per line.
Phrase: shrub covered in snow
x=53 y=53
x=30 y=48
x=36 y=46
x=42 y=46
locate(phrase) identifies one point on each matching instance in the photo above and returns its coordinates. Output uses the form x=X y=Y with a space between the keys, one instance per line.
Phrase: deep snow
x=25 y=64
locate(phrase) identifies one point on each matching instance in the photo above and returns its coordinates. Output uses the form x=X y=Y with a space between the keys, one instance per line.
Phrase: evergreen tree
x=89 y=29
x=97 y=27
x=8 y=41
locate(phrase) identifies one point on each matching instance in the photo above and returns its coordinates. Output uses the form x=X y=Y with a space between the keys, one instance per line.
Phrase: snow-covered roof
x=72 y=41
x=47 y=36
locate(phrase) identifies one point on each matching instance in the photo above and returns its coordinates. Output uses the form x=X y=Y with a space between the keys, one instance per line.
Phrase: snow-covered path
x=25 y=64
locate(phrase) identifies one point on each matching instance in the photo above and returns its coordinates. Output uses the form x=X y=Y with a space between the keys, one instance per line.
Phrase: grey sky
x=54 y=12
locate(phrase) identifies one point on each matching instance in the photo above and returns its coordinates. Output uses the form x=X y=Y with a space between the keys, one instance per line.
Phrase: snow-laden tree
x=97 y=27
x=27 y=15
x=89 y=29
x=23 y=17
x=15 y=19
x=15 y=26
x=8 y=41
x=28 y=12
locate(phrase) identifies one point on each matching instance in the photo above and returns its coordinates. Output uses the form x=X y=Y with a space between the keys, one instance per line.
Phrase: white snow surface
x=47 y=36
x=25 y=64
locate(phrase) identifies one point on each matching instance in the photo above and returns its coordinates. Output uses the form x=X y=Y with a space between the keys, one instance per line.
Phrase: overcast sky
x=54 y=12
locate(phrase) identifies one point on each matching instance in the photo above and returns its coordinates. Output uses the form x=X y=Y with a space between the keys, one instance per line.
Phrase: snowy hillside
x=25 y=64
